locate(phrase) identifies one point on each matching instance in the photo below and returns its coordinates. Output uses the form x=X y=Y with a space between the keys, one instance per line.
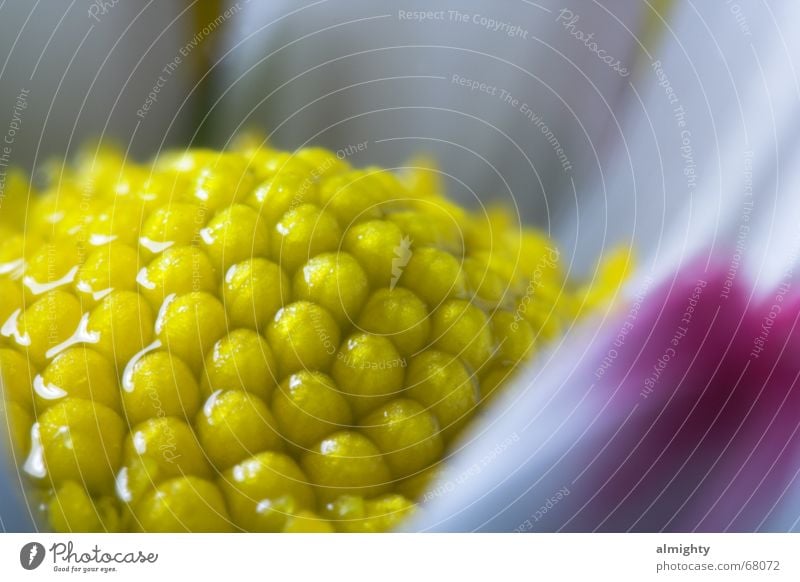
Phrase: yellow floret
x=110 y=267
x=302 y=233
x=11 y=293
x=188 y=325
x=80 y=441
x=47 y=323
x=430 y=229
x=53 y=266
x=418 y=486
x=78 y=372
x=542 y=311
x=346 y=463
x=265 y=491
x=177 y=270
x=173 y=225
x=253 y=291
x=14 y=246
x=513 y=336
x=71 y=510
x=385 y=187
x=235 y=234
x=399 y=315
x=56 y=213
x=268 y=163
x=369 y=371
x=282 y=193
x=159 y=384
x=440 y=382
x=120 y=326
x=615 y=268
x=155 y=450
x=323 y=161
x=16 y=378
x=377 y=245
x=354 y=514
x=434 y=275
x=406 y=433
x=336 y=282
x=494 y=378
x=349 y=199
x=183 y=504
x=488 y=286
x=303 y=336
x=18 y=192
x=234 y=425
x=308 y=406
x=242 y=360
x=17 y=422
x=423 y=178
x=118 y=222
x=307 y=522
x=461 y=329
x=221 y=182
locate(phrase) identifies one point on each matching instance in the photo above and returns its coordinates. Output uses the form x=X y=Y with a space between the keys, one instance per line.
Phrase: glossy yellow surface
x=242 y=360
x=159 y=384
x=265 y=490
x=346 y=463
x=253 y=291
x=336 y=282
x=78 y=372
x=309 y=406
x=258 y=340
x=235 y=234
x=234 y=425
x=183 y=504
x=369 y=370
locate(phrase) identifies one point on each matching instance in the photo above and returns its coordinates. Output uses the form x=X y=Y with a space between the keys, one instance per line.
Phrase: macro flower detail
x=250 y=340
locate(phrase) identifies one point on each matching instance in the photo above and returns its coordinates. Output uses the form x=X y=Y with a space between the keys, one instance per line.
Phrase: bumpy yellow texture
x=257 y=340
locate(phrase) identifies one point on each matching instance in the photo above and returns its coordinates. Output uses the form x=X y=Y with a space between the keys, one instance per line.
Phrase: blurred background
x=511 y=104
